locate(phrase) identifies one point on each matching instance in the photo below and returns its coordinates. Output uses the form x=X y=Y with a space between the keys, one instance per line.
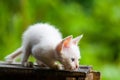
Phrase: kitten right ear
x=77 y=39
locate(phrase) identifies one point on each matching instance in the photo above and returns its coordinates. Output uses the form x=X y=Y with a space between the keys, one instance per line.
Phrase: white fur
x=41 y=40
x=44 y=33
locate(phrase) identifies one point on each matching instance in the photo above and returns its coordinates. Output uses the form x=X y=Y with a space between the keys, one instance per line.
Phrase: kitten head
x=68 y=52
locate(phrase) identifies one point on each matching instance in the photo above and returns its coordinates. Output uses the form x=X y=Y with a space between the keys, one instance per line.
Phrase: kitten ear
x=66 y=41
x=77 y=39
x=64 y=44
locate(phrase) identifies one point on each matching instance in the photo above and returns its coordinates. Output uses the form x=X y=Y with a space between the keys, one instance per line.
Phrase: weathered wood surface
x=18 y=72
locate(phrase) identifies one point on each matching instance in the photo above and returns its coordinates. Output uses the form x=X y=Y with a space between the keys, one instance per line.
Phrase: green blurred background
x=97 y=20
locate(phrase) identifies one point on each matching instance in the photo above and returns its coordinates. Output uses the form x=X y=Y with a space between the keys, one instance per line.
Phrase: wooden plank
x=18 y=72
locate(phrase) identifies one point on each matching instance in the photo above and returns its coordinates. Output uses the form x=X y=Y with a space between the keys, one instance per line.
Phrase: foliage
x=97 y=20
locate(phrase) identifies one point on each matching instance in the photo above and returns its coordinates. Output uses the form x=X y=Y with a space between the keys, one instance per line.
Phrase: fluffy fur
x=45 y=43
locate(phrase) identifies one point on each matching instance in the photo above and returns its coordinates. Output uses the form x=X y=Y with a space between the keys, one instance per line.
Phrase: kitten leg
x=11 y=57
x=25 y=56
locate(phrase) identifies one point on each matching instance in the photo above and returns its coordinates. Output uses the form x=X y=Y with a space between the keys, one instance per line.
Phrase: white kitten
x=45 y=43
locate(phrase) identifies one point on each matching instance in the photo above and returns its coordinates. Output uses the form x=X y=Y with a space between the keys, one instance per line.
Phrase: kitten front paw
x=28 y=64
x=59 y=67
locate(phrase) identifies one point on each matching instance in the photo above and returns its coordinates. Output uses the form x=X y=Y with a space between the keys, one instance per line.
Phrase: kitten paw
x=59 y=67
x=28 y=64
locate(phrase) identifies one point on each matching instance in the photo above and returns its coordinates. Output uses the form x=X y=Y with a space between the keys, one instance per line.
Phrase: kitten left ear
x=66 y=41
x=77 y=39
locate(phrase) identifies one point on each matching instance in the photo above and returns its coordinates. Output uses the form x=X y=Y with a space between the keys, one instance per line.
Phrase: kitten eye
x=73 y=59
